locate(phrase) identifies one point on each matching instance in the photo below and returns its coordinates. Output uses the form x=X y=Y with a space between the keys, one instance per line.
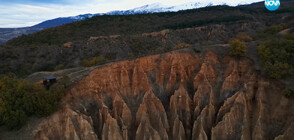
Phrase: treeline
x=20 y=99
x=206 y=22
x=133 y=24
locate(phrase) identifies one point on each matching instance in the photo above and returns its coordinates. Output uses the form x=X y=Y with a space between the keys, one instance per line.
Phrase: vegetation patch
x=270 y=32
x=288 y=93
x=205 y=22
x=208 y=42
x=237 y=48
x=182 y=45
x=277 y=56
x=94 y=61
x=244 y=37
x=20 y=99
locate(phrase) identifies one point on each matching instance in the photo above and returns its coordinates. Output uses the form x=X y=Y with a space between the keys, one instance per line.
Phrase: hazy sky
x=20 y=13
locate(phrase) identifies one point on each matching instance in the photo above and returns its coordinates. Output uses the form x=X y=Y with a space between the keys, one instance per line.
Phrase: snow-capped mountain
x=62 y=20
x=9 y=33
x=158 y=7
x=150 y=8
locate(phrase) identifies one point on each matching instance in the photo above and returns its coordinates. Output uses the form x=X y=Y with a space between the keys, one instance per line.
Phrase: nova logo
x=272 y=5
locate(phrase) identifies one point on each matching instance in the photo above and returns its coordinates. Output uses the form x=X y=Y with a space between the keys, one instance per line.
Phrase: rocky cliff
x=173 y=96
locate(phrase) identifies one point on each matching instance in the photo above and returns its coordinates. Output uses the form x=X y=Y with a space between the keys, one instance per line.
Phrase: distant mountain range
x=150 y=8
x=9 y=33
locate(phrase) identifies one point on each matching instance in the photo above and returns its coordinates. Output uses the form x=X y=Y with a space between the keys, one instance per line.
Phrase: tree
x=237 y=48
x=276 y=56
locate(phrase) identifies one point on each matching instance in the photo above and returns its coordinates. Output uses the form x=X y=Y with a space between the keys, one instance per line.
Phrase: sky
x=22 y=13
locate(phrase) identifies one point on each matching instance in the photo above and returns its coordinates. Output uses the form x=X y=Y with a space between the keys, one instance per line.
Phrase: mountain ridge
x=146 y=9
x=108 y=38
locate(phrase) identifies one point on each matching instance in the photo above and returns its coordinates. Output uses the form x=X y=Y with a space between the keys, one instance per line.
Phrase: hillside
x=215 y=73
x=114 y=38
x=9 y=33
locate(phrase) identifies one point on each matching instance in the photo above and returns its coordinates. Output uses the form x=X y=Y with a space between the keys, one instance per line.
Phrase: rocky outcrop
x=67 y=124
x=174 y=96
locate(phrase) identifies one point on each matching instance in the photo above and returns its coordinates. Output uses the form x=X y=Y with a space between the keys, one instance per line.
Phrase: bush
x=237 y=48
x=14 y=119
x=94 y=61
x=207 y=42
x=244 y=37
x=86 y=63
x=20 y=99
x=288 y=93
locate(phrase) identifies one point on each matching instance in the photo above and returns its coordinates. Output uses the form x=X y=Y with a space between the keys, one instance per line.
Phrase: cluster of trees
x=20 y=99
x=237 y=48
x=277 y=56
x=270 y=32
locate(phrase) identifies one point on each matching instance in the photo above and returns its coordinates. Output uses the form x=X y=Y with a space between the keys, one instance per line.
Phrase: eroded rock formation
x=174 y=96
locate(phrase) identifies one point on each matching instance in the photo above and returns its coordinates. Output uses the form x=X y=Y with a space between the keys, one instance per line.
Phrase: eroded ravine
x=175 y=96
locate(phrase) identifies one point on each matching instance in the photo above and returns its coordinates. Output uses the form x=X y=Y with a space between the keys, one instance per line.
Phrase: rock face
x=175 y=96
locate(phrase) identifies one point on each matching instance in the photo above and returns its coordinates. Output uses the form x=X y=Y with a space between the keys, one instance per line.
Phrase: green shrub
x=237 y=48
x=20 y=99
x=275 y=55
x=208 y=42
x=94 y=61
x=98 y=60
x=86 y=63
x=244 y=37
x=14 y=119
x=288 y=93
